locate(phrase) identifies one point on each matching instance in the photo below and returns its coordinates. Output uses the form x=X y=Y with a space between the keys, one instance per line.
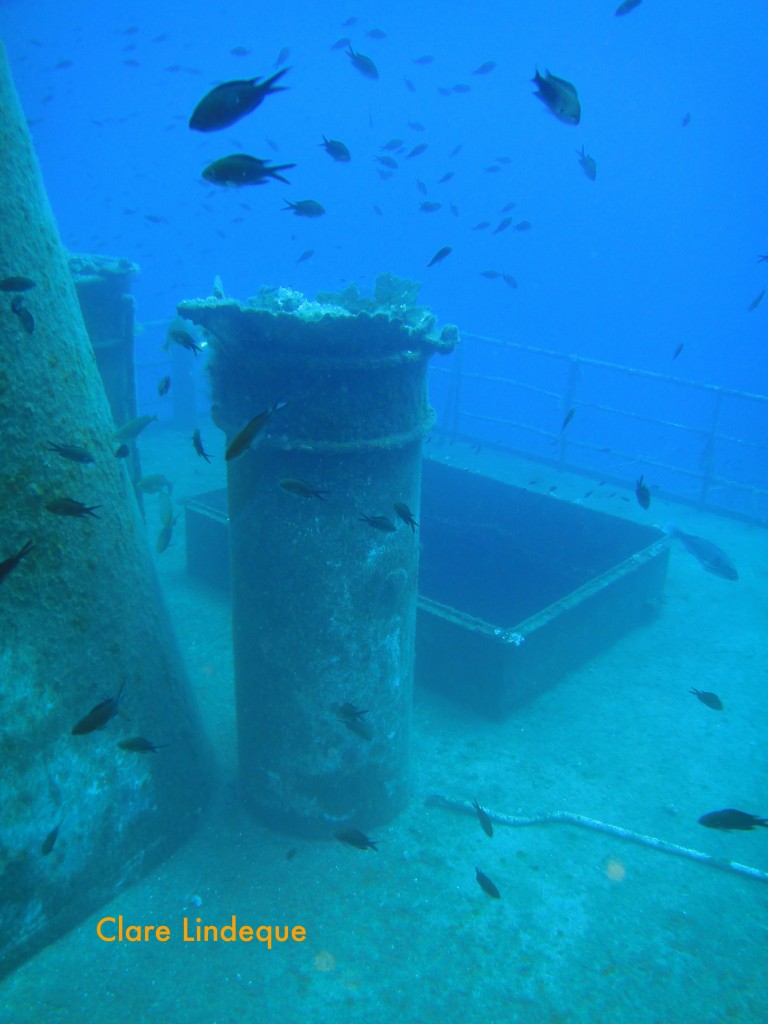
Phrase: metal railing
x=697 y=443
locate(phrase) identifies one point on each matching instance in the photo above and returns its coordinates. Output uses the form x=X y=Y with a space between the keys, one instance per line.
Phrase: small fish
x=240 y=51
x=388 y=161
x=440 y=255
x=376 y=33
x=166 y=535
x=587 y=163
x=70 y=507
x=446 y=177
x=341 y=44
x=708 y=698
x=72 y=452
x=392 y=144
x=306 y=255
x=154 y=483
x=406 y=515
x=163 y=386
x=354 y=719
x=711 y=557
x=305 y=208
x=178 y=334
x=25 y=318
x=302 y=489
x=509 y=280
x=490 y=274
x=429 y=207
x=482 y=225
x=354 y=837
x=485 y=822
x=50 y=840
x=197 y=444
x=133 y=428
x=730 y=819
x=165 y=507
x=626 y=7
x=240 y=169
x=559 y=97
x=139 y=745
x=382 y=523
x=417 y=150
x=686 y=120
x=242 y=441
x=502 y=225
x=347 y=712
x=425 y=59
x=98 y=716
x=486 y=884
x=122 y=452
x=363 y=64
x=417 y=126
x=282 y=57
x=752 y=306
x=678 y=349
x=336 y=150
x=642 y=494
x=16 y=284
x=9 y=564
x=230 y=101
x=567 y=419
x=523 y=225
x=485 y=68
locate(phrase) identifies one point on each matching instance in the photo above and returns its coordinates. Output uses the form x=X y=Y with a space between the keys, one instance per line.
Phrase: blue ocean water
x=611 y=276
x=659 y=251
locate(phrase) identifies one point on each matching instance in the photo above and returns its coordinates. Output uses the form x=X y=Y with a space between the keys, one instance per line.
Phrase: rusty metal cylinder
x=324 y=599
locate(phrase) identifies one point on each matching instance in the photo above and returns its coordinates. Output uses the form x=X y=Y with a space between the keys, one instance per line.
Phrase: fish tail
x=269 y=85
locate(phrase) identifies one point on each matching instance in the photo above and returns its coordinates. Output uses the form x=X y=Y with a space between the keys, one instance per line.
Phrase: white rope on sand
x=566 y=818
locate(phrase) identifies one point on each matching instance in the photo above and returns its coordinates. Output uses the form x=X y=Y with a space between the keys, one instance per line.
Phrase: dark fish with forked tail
x=50 y=840
x=9 y=564
x=731 y=819
x=230 y=101
x=71 y=507
x=484 y=818
x=406 y=515
x=711 y=557
x=240 y=169
x=708 y=698
x=73 y=452
x=242 y=441
x=138 y=745
x=354 y=837
x=98 y=716
x=559 y=97
x=486 y=884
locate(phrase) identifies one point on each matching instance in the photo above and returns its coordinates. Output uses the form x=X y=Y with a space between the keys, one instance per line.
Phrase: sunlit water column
x=324 y=602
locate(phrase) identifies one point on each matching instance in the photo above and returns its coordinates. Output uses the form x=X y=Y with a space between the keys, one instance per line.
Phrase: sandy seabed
x=588 y=928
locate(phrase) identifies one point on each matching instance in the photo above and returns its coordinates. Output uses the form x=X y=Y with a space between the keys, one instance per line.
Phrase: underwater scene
x=383 y=550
